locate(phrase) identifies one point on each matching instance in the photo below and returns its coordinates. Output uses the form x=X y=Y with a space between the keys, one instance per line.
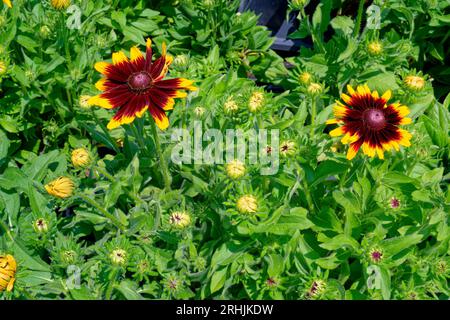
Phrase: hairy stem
x=97 y=206
x=162 y=162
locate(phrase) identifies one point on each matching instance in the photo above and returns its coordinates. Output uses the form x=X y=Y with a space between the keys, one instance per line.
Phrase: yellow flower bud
x=235 y=169
x=80 y=157
x=84 y=101
x=118 y=257
x=375 y=48
x=414 y=83
x=180 y=219
x=305 y=78
x=40 y=226
x=230 y=106
x=315 y=88
x=60 y=4
x=288 y=148
x=61 y=187
x=247 y=204
x=256 y=101
x=3 y=67
x=199 y=111
x=8 y=268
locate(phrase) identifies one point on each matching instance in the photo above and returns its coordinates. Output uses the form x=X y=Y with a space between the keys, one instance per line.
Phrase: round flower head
x=376 y=255
x=256 y=102
x=181 y=61
x=84 y=101
x=8 y=268
x=235 y=169
x=375 y=48
x=315 y=88
x=394 y=203
x=40 y=225
x=247 y=204
x=297 y=4
x=230 y=106
x=8 y=3
x=135 y=85
x=288 y=148
x=199 y=111
x=61 y=187
x=60 y=4
x=118 y=257
x=368 y=121
x=180 y=219
x=414 y=83
x=68 y=256
x=317 y=288
x=44 y=31
x=80 y=157
x=305 y=78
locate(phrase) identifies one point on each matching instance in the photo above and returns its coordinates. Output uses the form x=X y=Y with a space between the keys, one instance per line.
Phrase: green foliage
x=324 y=227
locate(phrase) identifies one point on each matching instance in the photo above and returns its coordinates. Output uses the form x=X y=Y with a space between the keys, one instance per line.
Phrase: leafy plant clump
x=112 y=184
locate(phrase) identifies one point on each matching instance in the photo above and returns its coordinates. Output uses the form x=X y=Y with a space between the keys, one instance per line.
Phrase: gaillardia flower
x=136 y=85
x=7 y=272
x=8 y=3
x=368 y=121
x=61 y=187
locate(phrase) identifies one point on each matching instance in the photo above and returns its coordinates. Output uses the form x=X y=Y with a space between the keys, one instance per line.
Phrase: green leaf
x=275 y=265
x=339 y=241
x=327 y=169
x=218 y=279
x=129 y=290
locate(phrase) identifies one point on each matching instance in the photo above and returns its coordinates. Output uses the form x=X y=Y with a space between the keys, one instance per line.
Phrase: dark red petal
x=138 y=64
x=157 y=67
x=119 y=72
x=159 y=97
x=135 y=104
x=169 y=84
x=148 y=59
x=118 y=96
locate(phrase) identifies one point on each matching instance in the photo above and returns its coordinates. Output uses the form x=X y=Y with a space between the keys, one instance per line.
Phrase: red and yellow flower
x=135 y=85
x=367 y=121
x=8 y=3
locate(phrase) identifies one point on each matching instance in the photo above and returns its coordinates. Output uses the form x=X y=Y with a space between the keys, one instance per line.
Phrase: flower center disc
x=375 y=119
x=140 y=81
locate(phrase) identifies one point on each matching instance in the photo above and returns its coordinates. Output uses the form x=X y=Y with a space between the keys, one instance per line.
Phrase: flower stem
x=162 y=161
x=6 y=228
x=138 y=137
x=313 y=115
x=97 y=206
x=359 y=18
